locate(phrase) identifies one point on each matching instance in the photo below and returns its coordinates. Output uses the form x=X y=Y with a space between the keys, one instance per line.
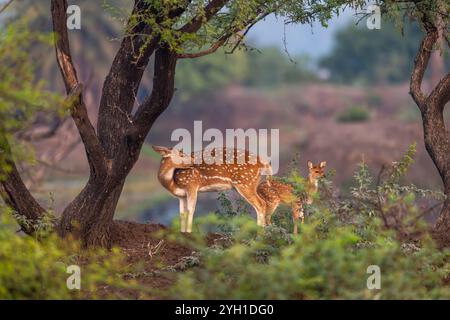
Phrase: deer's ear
x=162 y=150
x=310 y=164
x=323 y=164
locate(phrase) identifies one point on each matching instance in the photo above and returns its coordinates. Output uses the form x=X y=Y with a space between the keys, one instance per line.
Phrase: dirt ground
x=156 y=254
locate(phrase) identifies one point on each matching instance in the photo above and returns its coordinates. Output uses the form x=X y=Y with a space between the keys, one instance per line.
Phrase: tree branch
x=222 y=40
x=178 y=11
x=420 y=66
x=14 y=192
x=211 y=9
x=442 y=92
x=162 y=92
x=123 y=81
x=74 y=89
x=249 y=26
x=210 y=50
x=6 y=5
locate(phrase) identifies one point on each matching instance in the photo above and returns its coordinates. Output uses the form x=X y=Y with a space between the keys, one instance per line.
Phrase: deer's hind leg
x=251 y=196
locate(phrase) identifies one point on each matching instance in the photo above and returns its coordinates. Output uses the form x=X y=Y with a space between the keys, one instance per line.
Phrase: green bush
x=354 y=114
x=36 y=269
x=321 y=263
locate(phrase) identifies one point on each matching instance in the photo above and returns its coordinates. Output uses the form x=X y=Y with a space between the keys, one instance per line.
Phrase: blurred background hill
x=337 y=94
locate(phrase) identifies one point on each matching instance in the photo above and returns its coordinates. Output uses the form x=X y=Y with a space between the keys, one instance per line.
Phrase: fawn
x=184 y=181
x=275 y=192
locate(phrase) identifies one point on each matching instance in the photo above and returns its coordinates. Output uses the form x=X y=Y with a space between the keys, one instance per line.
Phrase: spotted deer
x=275 y=192
x=213 y=173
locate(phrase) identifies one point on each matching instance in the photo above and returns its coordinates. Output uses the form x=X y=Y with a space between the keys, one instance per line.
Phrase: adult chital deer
x=276 y=192
x=242 y=171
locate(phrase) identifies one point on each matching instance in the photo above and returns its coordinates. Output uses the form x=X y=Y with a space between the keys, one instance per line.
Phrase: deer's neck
x=165 y=176
x=312 y=187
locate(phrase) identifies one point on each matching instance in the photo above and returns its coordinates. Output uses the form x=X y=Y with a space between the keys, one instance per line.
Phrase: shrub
x=319 y=264
x=36 y=269
x=354 y=114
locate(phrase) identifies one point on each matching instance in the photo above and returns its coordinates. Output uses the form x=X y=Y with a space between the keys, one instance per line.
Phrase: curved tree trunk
x=436 y=136
x=437 y=144
x=90 y=214
x=25 y=204
x=113 y=150
x=12 y=185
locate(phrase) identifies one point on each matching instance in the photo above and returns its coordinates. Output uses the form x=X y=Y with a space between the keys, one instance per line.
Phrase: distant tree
x=271 y=67
x=215 y=71
x=371 y=56
x=266 y=67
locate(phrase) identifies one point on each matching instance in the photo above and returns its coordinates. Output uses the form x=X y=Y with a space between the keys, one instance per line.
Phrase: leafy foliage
x=234 y=17
x=37 y=269
x=21 y=95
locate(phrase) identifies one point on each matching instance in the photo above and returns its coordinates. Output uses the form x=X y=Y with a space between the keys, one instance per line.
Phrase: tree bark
x=438 y=146
x=436 y=136
x=25 y=205
x=14 y=191
x=89 y=216
x=115 y=149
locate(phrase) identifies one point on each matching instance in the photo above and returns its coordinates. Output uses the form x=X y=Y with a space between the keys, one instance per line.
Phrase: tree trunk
x=438 y=146
x=112 y=149
x=432 y=107
x=14 y=191
x=437 y=63
x=25 y=205
x=90 y=215
x=442 y=227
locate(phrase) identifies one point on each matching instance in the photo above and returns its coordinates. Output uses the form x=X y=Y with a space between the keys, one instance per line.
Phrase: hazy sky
x=300 y=39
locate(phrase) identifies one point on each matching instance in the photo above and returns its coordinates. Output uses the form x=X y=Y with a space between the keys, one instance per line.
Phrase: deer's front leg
x=183 y=213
